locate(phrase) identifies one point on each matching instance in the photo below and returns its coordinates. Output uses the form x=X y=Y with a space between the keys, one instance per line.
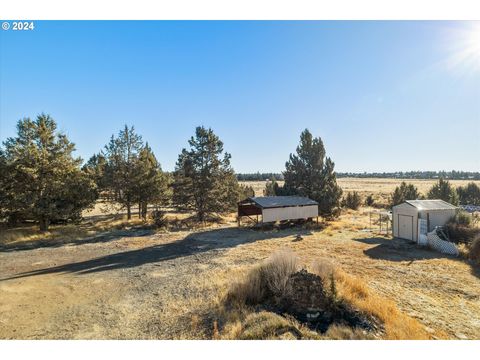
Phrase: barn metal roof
x=431 y=204
x=282 y=201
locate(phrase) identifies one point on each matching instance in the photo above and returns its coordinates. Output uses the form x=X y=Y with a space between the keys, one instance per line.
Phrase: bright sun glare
x=466 y=49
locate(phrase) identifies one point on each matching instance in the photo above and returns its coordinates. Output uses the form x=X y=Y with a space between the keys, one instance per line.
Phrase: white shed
x=278 y=208
x=407 y=216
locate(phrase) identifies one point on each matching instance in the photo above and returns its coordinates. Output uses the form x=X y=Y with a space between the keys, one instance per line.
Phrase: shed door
x=405 y=227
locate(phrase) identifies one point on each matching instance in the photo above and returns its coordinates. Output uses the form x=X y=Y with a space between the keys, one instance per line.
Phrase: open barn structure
x=277 y=208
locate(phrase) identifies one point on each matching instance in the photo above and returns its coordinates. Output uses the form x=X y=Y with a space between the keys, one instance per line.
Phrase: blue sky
x=383 y=96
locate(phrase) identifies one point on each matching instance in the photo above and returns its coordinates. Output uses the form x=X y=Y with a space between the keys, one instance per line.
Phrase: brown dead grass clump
x=268 y=278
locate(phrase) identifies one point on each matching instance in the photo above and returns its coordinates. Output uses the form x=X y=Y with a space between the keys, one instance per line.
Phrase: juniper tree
x=469 y=194
x=95 y=168
x=310 y=173
x=352 y=200
x=444 y=191
x=203 y=179
x=151 y=184
x=271 y=188
x=42 y=179
x=121 y=155
x=404 y=192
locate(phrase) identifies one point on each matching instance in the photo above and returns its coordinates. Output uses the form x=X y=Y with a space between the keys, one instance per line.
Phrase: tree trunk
x=129 y=211
x=43 y=223
x=139 y=209
x=144 y=210
x=201 y=215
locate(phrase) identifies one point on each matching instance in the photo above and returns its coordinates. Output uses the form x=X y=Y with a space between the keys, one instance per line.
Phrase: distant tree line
x=452 y=175
x=443 y=190
x=260 y=176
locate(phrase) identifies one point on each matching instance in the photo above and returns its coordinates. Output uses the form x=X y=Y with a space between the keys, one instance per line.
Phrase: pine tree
x=121 y=155
x=310 y=173
x=444 y=191
x=204 y=180
x=43 y=181
x=151 y=183
x=404 y=192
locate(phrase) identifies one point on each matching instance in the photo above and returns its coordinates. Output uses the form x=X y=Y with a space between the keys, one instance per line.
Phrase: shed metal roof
x=431 y=204
x=282 y=201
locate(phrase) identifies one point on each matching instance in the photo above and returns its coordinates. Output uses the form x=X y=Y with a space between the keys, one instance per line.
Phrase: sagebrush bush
x=369 y=201
x=460 y=228
x=461 y=234
x=352 y=200
x=462 y=218
x=474 y=250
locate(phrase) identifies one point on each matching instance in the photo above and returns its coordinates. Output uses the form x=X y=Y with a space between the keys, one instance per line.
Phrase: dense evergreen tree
x=95 y=169
x=121 y=155
x=469 y=194
x=310 y=173
x=203 y=179
x=151 y=184
x=444 y=191
x=40 y=177
x=404 y=192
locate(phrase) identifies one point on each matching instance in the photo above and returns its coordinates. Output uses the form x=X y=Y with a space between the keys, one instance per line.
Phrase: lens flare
x=466 y=49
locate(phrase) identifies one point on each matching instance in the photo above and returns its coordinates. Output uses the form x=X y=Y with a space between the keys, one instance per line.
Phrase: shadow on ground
x=53 y=243
x=197 y=243
x=398 y=250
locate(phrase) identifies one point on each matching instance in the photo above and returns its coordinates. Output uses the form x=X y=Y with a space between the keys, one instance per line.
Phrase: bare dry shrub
x=277 y=271
x=270 y=278
x=323 y=268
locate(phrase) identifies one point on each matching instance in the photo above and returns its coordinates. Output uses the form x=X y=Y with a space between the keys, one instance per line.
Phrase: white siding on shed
x=402 y=210
x=289 y=213
x=436 y=217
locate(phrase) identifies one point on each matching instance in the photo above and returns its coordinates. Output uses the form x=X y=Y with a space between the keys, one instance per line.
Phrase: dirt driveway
x=159 y=286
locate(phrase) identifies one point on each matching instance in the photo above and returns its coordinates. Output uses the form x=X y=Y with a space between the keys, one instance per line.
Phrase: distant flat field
x=378 y=187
